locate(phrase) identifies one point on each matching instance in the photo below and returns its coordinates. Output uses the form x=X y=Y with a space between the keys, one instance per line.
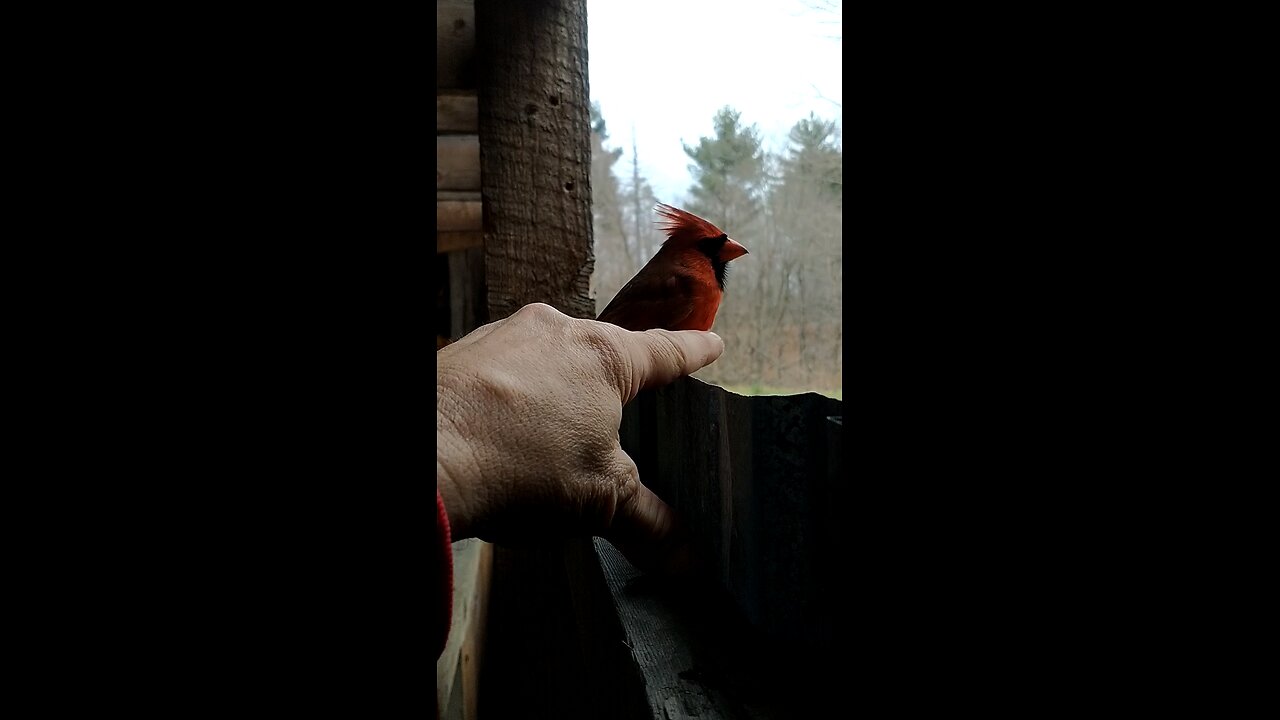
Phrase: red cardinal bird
x=681 y=287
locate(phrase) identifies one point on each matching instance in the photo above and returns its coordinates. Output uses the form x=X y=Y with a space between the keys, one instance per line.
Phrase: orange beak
x=732 y=249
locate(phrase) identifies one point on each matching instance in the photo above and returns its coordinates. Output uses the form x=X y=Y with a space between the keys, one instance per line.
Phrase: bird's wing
x=649 y=302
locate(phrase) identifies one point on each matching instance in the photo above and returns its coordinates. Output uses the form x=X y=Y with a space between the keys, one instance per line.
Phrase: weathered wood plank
x=441 y=319
x=448 y=242
x=473 y=644
x=698 y=658
x=458 y=162
x=556 y=648
x=754 y=479
x=455 y=43
x=457 y=113
x=661 y=645
x=457 y=215
x=458 y=195
x=459 y=220
x=466 y=291
x=458 y=667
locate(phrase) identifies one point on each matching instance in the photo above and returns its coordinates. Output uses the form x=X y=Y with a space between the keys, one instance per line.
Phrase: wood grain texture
x=458 y=215
x=449 y=242
x=466 y=291
x=456 y=112
x=457 y=196
x=459 y=221
x=756 y=478
x=555 y=646
x=457 y=162
x=455 y=43
x=442 y=320
x=697 y=658
x=662 y=643
x=535 y=154
x=458 y=667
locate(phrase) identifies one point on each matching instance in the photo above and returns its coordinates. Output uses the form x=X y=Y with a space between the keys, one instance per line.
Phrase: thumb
x=658 y=357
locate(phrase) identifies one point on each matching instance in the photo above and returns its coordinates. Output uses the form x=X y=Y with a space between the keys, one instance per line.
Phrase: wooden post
x=534 y=126
x=535 y=154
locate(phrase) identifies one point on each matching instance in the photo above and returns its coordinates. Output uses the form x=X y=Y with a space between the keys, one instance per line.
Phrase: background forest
x=781 y=314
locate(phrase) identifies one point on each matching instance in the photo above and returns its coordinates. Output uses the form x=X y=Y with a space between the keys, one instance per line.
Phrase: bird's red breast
x=680 y=288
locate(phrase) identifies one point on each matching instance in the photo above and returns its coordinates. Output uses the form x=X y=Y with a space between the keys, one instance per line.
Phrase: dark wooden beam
x=466 y=290
x=457 y=162
x=756 y=481
x=447 y=242
x=697 y=657
x=458 y=215
x=456 y=112
x=455 y=43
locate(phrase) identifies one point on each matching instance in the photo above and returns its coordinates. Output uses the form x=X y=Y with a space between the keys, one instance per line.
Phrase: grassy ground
x=758 y=389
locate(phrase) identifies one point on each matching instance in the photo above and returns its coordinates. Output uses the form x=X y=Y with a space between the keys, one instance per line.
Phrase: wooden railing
x=755 y=479
x=581 y=633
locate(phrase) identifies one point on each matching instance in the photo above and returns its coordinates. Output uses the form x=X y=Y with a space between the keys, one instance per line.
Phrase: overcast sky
x=666 y=67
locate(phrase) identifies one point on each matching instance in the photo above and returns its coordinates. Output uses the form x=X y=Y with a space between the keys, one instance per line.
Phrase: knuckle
x=538 y=310
x=605 y=344
x=624 y=476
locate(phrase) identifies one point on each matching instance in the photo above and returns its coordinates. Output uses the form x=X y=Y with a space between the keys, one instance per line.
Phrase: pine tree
x=642 y=232
x=614 y=265
x=626 y=236
x=729 y=190
x=728 y=170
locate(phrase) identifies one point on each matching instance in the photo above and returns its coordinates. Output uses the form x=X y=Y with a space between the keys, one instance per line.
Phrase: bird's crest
x=680 y=225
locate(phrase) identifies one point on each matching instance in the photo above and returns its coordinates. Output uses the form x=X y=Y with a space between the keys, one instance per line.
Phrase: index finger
x=658 y=357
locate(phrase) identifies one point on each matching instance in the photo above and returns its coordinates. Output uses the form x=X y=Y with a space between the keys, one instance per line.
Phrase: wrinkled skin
x=527 y=416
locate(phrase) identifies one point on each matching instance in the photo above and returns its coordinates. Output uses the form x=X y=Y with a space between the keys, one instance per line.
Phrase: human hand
x=527 y=417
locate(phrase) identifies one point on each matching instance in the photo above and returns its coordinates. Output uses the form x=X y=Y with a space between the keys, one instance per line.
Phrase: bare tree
x=626 y=235
x=645 y=237
x=614 y=261
x=808 y=204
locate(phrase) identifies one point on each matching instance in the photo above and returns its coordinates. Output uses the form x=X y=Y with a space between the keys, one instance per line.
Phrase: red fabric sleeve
x=444 y=578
